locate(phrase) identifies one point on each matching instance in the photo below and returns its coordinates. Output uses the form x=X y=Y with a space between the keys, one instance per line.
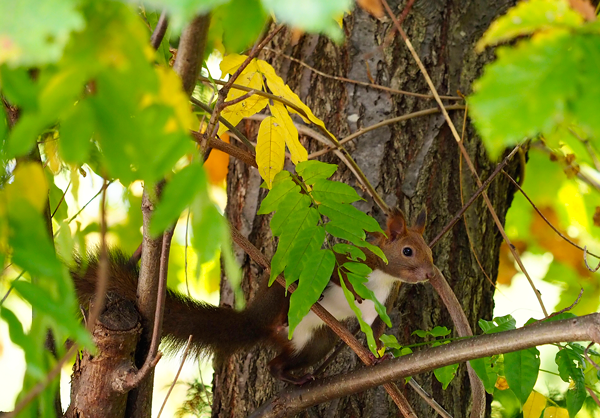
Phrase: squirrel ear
x=396 y=224
x=421 y=221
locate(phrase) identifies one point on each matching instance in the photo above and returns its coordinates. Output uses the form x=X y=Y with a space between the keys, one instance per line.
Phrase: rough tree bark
x=411 y=164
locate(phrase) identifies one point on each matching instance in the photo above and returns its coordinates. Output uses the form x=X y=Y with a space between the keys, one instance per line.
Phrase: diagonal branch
x=294 y=400
x=346 y=336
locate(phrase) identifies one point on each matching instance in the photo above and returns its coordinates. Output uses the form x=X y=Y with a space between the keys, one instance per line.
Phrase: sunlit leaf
x=446 y=374
x=358 y=281
x=287 y=210
x=534 y=406
x=270 y=149
x=241 y=22
x=178 y=194
x=297 y=151
x=556 y=412
x=35 y=32
x=528 y=17
x=350 y=250
x=498 y=324
x=310 y=15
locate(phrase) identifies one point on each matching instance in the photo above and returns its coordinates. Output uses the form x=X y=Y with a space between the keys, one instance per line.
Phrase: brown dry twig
x=360 y=83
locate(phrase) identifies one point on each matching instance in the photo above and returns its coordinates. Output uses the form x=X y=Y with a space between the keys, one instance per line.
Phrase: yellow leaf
x=30 y=184
x=251 y=78
x=231 y=63
x=556 y=412
x=171 y=93
x=270 y=149
x=234 y=114
x=51 y=151
x=279 y=88
x=534 y=406
x=297 y=151
x=501 y=383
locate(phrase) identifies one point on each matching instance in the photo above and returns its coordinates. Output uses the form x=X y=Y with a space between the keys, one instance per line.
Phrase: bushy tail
x=214 y=329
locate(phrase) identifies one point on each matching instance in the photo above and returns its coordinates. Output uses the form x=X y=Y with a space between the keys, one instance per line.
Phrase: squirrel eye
x=407 y=251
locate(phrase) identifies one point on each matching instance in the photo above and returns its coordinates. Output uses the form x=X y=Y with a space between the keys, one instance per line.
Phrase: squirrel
x=224 y=330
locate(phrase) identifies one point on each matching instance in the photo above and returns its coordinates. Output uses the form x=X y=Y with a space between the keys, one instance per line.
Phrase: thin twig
x=159 y=30
x=185 y=353
x=385 y=123
x=12 y=286
x=585 y=353
x=224 y=121
x=460 y=213
x=62 y=198
x=560 y=234
x=360 y=83
x=232 y=150
x=593 y=270
x=428 y=398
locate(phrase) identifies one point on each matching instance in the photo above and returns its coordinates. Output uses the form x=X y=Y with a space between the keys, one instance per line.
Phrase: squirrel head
x=409 y=257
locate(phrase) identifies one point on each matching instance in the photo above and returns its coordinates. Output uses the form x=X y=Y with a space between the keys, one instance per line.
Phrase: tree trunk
x=411 y=164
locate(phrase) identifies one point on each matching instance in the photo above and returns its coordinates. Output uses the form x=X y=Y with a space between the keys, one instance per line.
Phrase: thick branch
x=191 y=52
x=294 y=400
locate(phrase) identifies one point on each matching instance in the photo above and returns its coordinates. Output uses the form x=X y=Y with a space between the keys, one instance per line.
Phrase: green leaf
x=570 y=367
x=390 y=341
x=435 y=332
x=329 y=192
x=313 y=170
x=313 y=280
x=527 y=90
x=355 y=235
x=290 y=205
x=76 y=132
x=58 y=203
x=60 y=309
x=178 y=194
x=32 y=249
x=48 y=24
x=366 y=328
x=311 y=15
x=241 y=22
x=307 y=242
x=498 y=324
x=348 y=215
x=282 y=186
x=359 y=268
x=353 y=252
x=358 y=282
x=302 y=219
x=445 y=374
x=528 y=17
x=521 y=369
x=484 y=368
x=19 y=88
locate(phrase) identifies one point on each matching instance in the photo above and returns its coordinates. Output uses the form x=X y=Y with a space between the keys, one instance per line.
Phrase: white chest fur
x=335 y=302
